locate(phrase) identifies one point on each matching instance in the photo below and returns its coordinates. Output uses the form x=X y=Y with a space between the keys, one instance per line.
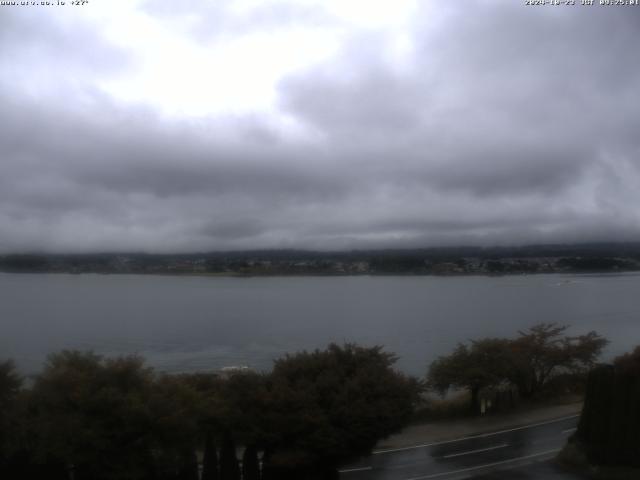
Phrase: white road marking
x=453 y=455
x=359 y=469
x=487 y=465
x=481 y=435
x=569 y=430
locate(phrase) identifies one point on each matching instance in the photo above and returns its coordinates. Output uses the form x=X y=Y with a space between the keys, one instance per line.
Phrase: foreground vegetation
x=606 y=444
x=503 y=370
x=89 y=417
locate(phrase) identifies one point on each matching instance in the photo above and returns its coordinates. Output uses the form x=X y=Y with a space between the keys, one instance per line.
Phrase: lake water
x=201 y=323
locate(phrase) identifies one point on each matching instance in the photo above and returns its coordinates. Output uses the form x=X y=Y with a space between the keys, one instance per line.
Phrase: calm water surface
x=199 y=323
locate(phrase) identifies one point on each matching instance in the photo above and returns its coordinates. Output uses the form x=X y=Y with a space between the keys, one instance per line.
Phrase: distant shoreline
x=454 y=261
x=322 y=275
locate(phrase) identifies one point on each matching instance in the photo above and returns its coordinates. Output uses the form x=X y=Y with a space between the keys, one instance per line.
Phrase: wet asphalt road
x=516 y=453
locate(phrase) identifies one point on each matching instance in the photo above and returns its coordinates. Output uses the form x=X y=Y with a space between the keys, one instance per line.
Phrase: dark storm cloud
x=504 y=124
x=139 y=153
x=235 y=229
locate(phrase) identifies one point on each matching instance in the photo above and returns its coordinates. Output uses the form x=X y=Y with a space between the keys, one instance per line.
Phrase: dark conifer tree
x=267 y=469
x=189 y=465
x=250 y=466
x=210 y=459
x=229 y=469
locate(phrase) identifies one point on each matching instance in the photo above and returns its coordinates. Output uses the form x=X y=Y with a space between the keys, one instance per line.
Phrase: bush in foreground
x=97 y=418
x=327 y=407
x=607 y=441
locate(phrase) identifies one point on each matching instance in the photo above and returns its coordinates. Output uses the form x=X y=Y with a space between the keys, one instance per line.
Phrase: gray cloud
x=211 y=20
x=506 y=125
x=45 y=53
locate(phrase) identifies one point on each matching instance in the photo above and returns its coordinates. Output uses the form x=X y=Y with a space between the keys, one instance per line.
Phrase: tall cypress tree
x=189 y=465
x=250 y=467
x=267 y=469
x=210 y=459
x=229 y=469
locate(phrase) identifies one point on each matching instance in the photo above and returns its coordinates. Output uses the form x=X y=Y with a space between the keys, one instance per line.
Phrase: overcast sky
x=165 y=125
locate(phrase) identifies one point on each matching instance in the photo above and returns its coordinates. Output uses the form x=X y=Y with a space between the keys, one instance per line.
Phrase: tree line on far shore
x=88 y=417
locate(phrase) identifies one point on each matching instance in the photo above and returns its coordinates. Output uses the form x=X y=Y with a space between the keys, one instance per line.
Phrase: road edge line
x=478 y=435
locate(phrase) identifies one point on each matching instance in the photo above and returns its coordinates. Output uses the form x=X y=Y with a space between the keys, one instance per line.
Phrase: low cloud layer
x=483 y=122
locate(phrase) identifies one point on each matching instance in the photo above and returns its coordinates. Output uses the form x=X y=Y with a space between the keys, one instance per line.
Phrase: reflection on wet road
x=523 y=451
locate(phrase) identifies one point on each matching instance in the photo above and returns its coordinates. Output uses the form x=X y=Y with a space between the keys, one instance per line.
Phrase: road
x=523 y=452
